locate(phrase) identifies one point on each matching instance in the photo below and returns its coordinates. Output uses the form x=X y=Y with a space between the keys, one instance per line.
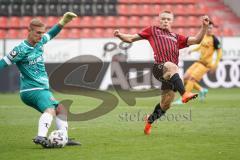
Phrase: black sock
x=178 y=84
x=157 y=113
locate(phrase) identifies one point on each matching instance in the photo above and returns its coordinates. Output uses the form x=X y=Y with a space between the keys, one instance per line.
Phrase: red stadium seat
x=179 y=21
x=74 y=23
x=74 y=33
x=169 y=7
x=156 y=9
x=143 y=2
x=110 y=21
x=98 y=33
x=227 y=32
x=134 y=30
x=180 y=9
x=195 y=9
x=146 y=10
x=25 y=21
x=3 y=22
x=155 y=21
x=12 y=33
x=191 y=31
x=124 y=30
x=122 y=21
x=63 y=34
x=134 y=10
x=86 y=33
x=108 y=32
x=193 y=21
x=98 y=21
x=51 y=21
x=13 y=22
x=156 y=1
x=133 y=21
x=86 y=21
x=202 y=9
x=23 y=33
x=2 y=33
x=123 y=9
x=179 y=31
x=191 y=9
x=145 y=20
x=216 y=20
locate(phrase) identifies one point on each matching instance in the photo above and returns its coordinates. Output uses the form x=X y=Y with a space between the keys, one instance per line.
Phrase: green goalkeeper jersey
x=30 y=62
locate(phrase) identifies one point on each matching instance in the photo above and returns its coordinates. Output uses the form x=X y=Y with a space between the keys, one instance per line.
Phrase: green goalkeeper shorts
x=39 y=99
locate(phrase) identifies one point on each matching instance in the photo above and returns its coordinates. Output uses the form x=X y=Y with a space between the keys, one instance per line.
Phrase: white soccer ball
x=58 y=138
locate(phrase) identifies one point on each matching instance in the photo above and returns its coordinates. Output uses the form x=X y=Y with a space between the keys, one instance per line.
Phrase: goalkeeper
x=34 y=84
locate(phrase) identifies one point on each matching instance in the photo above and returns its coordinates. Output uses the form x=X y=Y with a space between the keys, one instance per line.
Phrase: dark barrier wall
x=123 y=75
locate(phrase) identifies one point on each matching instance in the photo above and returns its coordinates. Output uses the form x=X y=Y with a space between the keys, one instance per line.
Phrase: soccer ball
x=58 y=138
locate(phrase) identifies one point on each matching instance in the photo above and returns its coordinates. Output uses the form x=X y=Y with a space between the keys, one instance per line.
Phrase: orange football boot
x=148 y=126
x=187 y=96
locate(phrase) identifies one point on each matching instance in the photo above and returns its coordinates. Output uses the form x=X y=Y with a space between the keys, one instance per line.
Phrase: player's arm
x=219 y=56
x=67 y=17
x=217 y=47
x=199 y=36
x=127 y=37
x=12 y=58
x=196 y=48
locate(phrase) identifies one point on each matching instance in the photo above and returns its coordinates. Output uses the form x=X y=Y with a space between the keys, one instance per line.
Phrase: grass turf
x=196 y=130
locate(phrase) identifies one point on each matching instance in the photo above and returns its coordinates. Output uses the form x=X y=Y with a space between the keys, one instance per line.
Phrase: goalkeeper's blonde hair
x=35 y=22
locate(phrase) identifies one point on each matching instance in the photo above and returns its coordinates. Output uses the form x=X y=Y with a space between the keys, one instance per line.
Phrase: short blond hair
x=168 y=12
x=35 y=22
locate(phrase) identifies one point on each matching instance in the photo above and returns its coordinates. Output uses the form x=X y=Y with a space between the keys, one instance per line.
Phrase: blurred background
x=92 y=34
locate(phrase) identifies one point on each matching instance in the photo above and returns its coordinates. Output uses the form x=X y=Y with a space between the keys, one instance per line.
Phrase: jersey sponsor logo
x=39 y=59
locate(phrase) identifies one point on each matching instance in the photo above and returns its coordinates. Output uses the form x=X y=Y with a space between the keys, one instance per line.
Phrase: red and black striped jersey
x=165 y=44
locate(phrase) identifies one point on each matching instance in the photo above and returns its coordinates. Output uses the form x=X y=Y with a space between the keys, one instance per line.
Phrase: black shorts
x=157 y=71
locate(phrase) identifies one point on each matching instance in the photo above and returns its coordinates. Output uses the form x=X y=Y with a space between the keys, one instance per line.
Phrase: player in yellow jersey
x=205 y=63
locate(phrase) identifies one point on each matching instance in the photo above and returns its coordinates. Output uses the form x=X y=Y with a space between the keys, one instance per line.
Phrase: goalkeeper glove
x=67 y=17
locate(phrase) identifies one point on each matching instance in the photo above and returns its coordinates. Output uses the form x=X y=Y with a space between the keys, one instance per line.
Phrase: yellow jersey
x=206 y=48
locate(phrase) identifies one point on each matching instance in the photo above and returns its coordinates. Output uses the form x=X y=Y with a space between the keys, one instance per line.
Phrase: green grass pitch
x=206 y=131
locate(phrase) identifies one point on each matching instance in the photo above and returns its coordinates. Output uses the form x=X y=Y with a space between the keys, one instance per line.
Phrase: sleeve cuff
x=47 y=36
x=7 y=60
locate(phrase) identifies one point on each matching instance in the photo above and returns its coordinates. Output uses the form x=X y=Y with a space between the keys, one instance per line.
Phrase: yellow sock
x=197 y=86
x=189 y=86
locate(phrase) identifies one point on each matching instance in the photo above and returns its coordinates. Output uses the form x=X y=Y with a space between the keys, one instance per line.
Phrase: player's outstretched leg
x=62 y=124
x=178 y=85
x=43 y=125
x=157 y=113
x=166 y=100
x=172 y=72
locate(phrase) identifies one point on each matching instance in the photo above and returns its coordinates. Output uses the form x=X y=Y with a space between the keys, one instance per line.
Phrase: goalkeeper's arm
x=67 y=17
